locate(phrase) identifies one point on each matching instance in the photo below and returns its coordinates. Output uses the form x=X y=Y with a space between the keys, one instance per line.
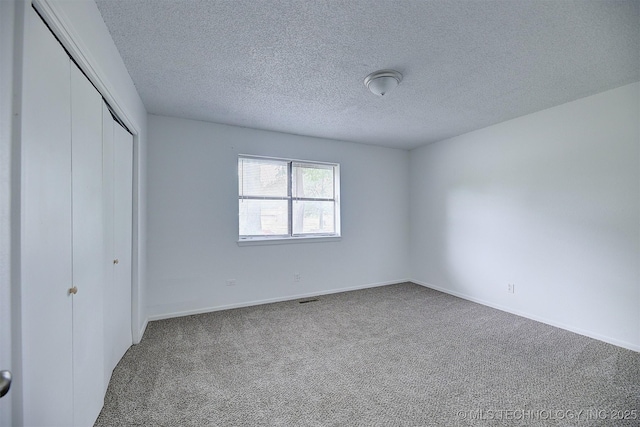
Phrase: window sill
x=287 y=240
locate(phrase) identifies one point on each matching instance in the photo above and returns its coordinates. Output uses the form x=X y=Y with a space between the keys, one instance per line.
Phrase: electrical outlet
x=231 y=282
x=511 y=288
x=296 y=277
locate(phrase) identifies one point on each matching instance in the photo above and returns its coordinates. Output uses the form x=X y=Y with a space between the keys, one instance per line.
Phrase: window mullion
x=313 y=199
x=290 y=197
x=262 y=198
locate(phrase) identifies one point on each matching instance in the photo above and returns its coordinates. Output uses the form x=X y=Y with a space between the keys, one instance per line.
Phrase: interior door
x=123 y=217
x=109 y=253
x=88 y=249
x=46 y=241
x=118 y=203
x=62 y=245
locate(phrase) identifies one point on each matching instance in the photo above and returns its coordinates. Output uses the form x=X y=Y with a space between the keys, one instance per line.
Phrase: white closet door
x=109 y=253
x=123 y=217
x=88 y=249
x=46 y=230
x=118 y=204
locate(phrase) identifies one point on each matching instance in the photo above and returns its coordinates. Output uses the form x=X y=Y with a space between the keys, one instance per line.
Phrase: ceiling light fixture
x=381 y=82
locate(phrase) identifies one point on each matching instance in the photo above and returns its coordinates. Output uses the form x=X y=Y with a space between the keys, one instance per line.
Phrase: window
x=287 y=199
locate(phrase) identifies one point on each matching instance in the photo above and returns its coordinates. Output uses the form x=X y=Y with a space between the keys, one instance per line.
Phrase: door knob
x=5 y=382
x=73 y=290
x=115 y=261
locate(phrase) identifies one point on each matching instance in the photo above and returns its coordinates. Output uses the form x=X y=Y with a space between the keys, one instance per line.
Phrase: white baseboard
x=599 y=337
x=269 y=300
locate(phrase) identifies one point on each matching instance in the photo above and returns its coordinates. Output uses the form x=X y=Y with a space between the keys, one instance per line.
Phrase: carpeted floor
x=399 y=355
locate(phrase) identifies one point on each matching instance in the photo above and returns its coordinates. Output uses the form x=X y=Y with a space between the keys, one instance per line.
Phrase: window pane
x=313 y=217
x=263 y=217
x=258 y=177
x=313 y=181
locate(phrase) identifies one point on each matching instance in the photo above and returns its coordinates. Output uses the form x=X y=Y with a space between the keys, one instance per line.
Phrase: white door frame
x=7 y=43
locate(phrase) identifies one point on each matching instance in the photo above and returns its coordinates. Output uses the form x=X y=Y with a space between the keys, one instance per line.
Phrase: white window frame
x=291 y=237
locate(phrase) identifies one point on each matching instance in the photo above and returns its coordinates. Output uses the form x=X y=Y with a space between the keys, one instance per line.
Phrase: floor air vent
x=308 y=300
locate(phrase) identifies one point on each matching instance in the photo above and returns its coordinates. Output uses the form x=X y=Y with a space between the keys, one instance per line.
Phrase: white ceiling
x=298 y=66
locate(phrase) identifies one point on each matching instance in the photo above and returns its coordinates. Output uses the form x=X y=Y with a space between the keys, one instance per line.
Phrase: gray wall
x=549 y=202
x=193 y=220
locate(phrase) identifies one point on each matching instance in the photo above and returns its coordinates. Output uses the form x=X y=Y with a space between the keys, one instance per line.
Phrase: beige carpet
x=399 y=355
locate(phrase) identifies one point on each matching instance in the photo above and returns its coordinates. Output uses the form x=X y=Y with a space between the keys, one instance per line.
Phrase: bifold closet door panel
x=88 y=249
x=46 y=242
x=109 y=255
x=117 y=155
x=123 y=217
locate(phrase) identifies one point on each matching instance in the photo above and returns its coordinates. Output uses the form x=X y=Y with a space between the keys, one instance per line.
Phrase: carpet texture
x=399 y=355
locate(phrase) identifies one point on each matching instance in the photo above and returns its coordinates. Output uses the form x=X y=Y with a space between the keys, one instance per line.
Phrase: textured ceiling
x=298 y=66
